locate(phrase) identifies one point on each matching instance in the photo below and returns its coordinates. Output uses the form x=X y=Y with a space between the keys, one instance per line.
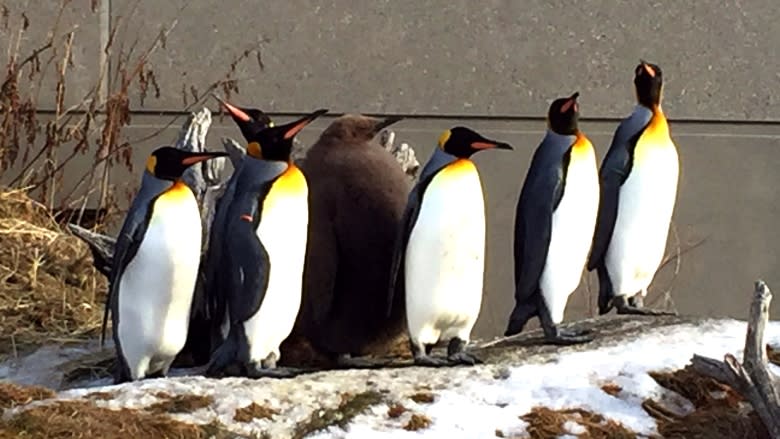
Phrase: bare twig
x=751 y=378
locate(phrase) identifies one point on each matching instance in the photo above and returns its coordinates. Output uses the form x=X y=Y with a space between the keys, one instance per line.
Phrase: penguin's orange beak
x=572 y=101
x=650 y=71
x=293 y=128
x=200 y=157
x=490 y=144
x=233 y=110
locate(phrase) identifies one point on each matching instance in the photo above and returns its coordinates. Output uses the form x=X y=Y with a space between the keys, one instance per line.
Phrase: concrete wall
x=494 y=65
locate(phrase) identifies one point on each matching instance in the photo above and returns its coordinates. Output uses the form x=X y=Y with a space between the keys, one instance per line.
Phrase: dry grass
x=83 y=419
x=423 y=397
x=100 y=396
x=254 y=411
x=395 y=411
x=545 y=423
x=418 y=422
x=611 y=389
x=179 y=403
x=12 y=395
x=719 y=410
x=350 y=406
x=48 y=288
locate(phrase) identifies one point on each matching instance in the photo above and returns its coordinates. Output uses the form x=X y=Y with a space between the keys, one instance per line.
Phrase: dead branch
x=751 y=378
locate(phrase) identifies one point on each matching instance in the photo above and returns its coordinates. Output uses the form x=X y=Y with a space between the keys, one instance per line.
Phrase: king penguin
x=265 y=247
x=357 y=198
x=156 y=261
x=438 y=263
x=638 y=192
x=554 y=224
x=250 y=122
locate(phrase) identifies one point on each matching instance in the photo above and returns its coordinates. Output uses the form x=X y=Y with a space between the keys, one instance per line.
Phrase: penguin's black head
x=249 y=120
x=463 y=142
x=563 y=115
x=169 y=163
x=275 y=143
x=648 y=80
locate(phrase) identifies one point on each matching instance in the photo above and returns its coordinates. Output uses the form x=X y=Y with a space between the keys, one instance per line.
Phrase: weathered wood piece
x=751 y=378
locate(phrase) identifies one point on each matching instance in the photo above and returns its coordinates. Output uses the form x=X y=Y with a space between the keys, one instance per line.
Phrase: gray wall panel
x=495 y=57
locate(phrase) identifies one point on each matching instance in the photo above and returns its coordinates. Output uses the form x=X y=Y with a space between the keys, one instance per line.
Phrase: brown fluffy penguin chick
x=357 y=195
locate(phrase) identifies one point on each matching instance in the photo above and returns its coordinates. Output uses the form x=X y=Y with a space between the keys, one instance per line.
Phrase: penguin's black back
x=357 y=195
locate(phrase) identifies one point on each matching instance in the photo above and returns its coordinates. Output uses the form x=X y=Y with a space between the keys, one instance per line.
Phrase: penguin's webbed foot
x=463 y=358
x=347 y=361
x=456 y=354
x=277 y=372
x=564 y=337
x=634 y=306
x=632 y=310
x=557 y=336
x=431 y=361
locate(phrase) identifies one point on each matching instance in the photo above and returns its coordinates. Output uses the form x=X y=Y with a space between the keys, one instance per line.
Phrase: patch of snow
x=468 y=402
x=478 y=407
x=574 y=428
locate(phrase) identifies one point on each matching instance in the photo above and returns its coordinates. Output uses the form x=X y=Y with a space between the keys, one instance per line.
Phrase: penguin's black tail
x=520 y=316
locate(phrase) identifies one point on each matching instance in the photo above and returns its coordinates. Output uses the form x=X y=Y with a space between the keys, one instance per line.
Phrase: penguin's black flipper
x=613 y=173
x=542 y=192
x=246 y=266
x=249 y=265
x=397 y=286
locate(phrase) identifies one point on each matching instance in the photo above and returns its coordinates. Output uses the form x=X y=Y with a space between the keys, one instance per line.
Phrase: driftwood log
x=208 y=181
x=751 y=378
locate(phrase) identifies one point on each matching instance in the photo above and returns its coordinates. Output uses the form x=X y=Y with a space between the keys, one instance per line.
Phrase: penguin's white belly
x=645 y=207
x=156 y=288
x=573 y=225
x=282 y=230
x=444 y=264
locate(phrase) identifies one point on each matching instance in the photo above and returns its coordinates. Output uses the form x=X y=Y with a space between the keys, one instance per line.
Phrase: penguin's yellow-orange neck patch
x=291 y=181
x=582 y=147
x=654 y=139
x=460 y=166
x=291 y=184
x=178 y=192
x=658 y=128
